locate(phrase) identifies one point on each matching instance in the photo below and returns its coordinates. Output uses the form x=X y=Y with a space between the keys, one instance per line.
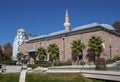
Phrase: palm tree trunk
x=96 y=57
x=53 y=63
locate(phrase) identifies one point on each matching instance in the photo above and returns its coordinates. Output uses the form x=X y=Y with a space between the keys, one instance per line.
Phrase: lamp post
x=110 y=47
x=63 y=48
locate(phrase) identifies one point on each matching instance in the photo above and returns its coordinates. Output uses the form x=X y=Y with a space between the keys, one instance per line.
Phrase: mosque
x=28 y=45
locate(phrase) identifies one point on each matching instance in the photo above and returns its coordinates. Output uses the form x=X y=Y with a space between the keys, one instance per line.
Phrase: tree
x=95 y=46
x=116 y=25
x=19 y=56
x=53 y=51
x=77 y=48
x=1 y=53
x=41 y=53
x=7 y=51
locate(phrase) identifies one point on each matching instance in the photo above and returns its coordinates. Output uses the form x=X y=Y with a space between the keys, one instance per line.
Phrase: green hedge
x=43 y=63
x=10 y=62
x=33 y=66
x=58 y=63
x=49 y=64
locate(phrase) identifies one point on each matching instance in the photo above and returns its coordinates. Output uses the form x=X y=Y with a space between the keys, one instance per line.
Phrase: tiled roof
x=106 y=26
x=86 y=26
x=37 y=37
x=109 y=27
x=58 y=32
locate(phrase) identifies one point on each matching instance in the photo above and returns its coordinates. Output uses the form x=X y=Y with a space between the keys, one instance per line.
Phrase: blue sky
x=45 y=16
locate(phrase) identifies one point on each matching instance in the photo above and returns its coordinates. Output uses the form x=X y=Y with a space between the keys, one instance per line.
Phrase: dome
x=21 y=30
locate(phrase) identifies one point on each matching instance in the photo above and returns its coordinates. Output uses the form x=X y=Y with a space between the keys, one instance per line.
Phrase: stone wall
x=64 y=44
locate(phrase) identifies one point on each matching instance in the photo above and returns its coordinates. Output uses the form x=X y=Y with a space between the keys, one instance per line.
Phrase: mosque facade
x=64 y=38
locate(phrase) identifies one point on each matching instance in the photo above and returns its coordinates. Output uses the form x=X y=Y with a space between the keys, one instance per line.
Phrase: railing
x=109 y=67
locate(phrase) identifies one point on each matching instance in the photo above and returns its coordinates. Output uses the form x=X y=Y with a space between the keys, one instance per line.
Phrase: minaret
x=19 y=39
x=67 y=24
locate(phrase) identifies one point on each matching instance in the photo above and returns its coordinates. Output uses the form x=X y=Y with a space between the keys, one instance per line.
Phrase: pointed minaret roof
x=67 y=23
x=66 y=13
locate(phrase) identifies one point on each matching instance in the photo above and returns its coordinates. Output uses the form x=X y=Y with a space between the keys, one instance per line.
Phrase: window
x=18 y=43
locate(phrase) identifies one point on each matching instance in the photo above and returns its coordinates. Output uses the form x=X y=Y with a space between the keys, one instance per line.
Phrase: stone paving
x=22 y=76
x=13 y=69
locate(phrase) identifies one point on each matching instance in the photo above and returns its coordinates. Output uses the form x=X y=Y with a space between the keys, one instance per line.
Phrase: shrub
x=58 y=63
x=10 y=62
x=100 y=64
x=49 y=64
x=43 y=63
x=114 y=59
x=33 y=66
x=0 y=66
x=82 y=62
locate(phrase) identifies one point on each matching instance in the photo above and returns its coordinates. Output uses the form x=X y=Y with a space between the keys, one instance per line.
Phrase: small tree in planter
x=19 y=57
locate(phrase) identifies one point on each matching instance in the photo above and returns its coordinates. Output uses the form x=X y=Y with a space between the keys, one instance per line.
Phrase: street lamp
x=110 y=47
x=63 y=48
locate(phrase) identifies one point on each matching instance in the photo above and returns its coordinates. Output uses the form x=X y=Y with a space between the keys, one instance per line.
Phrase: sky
x=40 y=17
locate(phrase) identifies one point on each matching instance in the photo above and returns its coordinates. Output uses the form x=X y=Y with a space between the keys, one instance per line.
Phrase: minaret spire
x=67 y=24
x=66 y=13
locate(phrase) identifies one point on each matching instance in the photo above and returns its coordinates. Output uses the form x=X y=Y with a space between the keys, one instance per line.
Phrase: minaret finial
x=66 y=13
x=67 y=24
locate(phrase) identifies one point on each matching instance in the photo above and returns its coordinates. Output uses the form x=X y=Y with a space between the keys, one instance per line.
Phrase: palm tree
x=53 y=51
x=77 y=48
x=41 y=53
x=95 y=46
